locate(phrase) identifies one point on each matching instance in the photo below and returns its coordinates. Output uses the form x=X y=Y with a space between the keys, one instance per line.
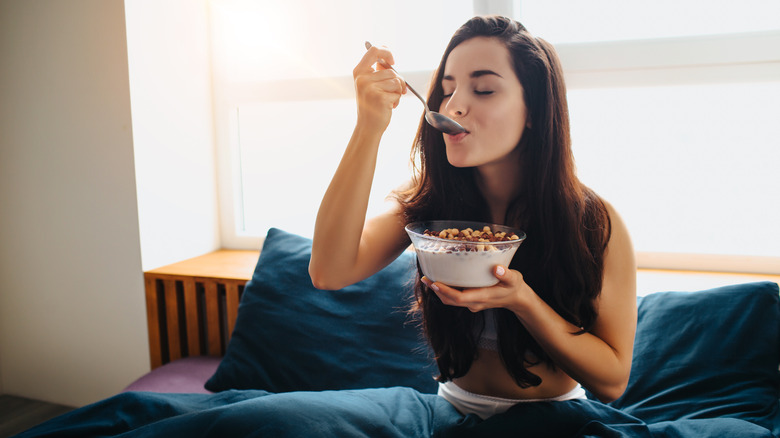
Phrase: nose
x=456 y=106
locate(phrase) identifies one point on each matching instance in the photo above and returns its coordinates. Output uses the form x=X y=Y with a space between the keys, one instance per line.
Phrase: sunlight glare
x=253 y=40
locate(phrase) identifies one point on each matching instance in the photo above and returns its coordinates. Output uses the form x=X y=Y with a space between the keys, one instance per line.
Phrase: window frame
x=742 y=57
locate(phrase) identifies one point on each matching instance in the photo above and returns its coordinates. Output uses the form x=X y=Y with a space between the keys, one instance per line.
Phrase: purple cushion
x=185 y=375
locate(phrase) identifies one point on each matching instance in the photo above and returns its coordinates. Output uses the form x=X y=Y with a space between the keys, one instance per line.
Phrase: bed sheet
x=382 y=412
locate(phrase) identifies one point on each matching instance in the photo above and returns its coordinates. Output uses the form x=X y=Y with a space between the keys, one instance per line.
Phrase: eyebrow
x=475 y=74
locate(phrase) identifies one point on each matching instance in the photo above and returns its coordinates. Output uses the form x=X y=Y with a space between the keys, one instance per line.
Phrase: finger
x=473 y=299
x=504 y=274
x=428 y=282
x=386 y=93
x=372 y=57
x=366 y=64
x=393 y=90
x=384 y=57
x=392 y=85
x=476 y=296
x=444 y=292
x=385 y=80
x=443 y=296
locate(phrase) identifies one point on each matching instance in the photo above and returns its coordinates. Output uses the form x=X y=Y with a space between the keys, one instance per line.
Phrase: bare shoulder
x=619 y=280
x=620 y=234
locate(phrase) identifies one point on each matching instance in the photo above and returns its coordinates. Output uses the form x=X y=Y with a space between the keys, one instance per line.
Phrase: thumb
x=504 y=274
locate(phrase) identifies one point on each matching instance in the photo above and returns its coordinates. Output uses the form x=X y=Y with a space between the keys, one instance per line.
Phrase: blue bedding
x=310 y=363
x=382 y=412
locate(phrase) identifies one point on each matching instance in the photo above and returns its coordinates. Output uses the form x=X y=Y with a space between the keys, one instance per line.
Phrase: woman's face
x=483 y=94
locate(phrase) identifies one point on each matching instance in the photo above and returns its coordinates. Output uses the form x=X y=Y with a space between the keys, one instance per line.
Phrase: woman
x=563 y=314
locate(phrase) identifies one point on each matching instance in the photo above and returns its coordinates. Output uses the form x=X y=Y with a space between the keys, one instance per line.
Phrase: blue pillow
x=290 y=336
x=707 y=354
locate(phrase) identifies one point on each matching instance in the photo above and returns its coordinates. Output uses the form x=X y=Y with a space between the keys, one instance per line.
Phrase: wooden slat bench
x=192 y=305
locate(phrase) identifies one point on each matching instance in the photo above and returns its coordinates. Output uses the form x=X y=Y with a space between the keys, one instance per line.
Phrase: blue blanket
x=387 y=412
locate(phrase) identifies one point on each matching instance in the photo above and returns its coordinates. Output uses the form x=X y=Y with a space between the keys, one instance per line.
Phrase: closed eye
x=477 y=92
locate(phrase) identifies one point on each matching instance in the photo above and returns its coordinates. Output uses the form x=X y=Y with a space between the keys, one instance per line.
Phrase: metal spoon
x=438 y=121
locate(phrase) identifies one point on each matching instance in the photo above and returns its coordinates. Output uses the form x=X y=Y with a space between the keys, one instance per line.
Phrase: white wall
x=170 y=93
x=72 y=313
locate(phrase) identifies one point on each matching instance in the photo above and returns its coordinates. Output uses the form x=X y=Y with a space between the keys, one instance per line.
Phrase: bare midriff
x=488 y=376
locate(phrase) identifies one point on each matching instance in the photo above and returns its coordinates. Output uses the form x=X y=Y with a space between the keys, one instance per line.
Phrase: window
x=673 y=107
x=568 y=21
x=691 y=168
x=285 y=105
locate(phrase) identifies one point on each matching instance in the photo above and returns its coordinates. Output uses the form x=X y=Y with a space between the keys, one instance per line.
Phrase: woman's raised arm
x=346 y=247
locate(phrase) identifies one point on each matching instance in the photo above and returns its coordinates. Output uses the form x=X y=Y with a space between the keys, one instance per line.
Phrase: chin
x=459 y=163
x=458 y=159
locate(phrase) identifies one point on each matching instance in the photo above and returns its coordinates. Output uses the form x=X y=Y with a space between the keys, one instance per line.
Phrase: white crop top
x=488 y=339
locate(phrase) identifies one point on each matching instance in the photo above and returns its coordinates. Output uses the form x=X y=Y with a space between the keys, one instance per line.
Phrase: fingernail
x=500 y=271
x=429 y=283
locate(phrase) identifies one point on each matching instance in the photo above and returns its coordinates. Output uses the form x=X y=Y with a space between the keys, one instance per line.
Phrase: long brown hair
x=567 y=224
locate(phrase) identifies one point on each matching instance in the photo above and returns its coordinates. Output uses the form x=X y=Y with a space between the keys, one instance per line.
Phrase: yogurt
x=461 y=263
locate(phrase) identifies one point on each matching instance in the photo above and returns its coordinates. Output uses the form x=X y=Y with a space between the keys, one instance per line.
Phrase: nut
x=484 y=235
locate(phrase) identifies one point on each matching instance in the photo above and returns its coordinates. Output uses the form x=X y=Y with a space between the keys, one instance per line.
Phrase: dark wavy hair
x=567 y=224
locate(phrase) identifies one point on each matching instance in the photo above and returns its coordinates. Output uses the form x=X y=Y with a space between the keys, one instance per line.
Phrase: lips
x=458 y=137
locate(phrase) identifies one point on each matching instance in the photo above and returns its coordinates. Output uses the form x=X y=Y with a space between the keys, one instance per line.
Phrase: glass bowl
x=462 y=263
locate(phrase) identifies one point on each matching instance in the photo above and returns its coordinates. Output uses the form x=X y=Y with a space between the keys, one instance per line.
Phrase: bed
x=352 y=363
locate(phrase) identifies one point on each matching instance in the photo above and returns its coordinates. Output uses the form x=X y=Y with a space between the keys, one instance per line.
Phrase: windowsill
x=224 y=264
x=240 y=264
